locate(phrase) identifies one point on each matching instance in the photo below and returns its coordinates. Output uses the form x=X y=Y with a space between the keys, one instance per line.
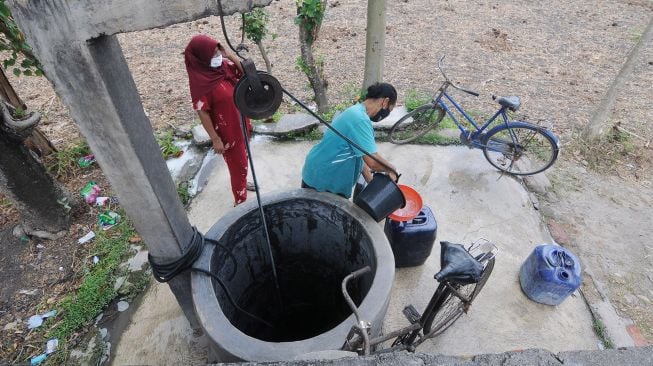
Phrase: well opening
x=315 y=246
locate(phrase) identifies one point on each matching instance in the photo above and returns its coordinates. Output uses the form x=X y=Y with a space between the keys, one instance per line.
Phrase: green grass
x=622 y=140
x=274 y=118
x=351 y=94
x=64 y=161
x=97 y=286
x=5 y=202
x=167 y=145
x=333 y=110
x=599 y=329
x=446 y=123
x=19 y=113
x=184 y=194
x=311 y=135
x=415 y=98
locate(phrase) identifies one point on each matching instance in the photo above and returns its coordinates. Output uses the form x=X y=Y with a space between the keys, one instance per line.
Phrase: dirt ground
x=560 y=57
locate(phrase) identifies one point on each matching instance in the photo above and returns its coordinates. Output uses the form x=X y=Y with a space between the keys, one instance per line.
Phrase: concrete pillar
x=76 y=44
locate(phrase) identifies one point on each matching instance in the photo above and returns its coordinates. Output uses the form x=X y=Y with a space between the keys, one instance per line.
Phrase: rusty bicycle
x=463 y=273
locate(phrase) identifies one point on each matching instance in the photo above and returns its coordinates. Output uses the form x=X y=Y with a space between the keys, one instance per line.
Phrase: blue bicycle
x=514 y=147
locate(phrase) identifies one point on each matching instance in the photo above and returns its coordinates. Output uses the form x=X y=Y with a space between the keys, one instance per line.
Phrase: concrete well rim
x=241 y=346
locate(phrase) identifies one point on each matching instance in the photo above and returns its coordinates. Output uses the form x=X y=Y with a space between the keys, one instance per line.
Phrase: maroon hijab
x=202 y=78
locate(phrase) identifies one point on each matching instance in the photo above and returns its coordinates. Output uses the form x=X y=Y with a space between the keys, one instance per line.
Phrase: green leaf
x=4 y=11
x=16 y=72
x=27 y=72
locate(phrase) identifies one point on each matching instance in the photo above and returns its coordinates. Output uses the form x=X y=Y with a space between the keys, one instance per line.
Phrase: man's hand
x=218 y=146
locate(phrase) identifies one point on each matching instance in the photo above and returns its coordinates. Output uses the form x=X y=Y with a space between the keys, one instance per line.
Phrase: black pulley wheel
x=258 y=104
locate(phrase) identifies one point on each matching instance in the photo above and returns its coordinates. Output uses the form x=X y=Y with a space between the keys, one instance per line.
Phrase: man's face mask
x=381 y=114
x=216 y=61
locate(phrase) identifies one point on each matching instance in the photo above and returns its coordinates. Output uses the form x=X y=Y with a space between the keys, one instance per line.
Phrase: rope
x=164 y=272
x=241 y=46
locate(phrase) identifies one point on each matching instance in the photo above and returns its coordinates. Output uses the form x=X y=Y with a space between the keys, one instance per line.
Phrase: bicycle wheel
x=449 y=307
x=416 y=124
x=520 y=148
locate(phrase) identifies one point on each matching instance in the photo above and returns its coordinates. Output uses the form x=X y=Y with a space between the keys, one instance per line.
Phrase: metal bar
x=394 y=334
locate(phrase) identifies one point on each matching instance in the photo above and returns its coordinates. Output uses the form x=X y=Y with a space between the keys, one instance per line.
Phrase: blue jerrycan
x=550 y=274
x=412 y=241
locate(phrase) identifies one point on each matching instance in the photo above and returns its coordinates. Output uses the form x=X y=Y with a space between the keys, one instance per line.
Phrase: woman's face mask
x=381 y=114
x=216 y=61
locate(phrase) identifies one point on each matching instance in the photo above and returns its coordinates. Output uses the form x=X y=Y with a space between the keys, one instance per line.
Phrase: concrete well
x=317 y=239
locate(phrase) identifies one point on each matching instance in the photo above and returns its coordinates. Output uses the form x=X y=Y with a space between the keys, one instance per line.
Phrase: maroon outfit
x=212 y=90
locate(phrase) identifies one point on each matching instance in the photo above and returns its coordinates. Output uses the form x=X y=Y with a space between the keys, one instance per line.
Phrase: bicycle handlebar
x=450 y=82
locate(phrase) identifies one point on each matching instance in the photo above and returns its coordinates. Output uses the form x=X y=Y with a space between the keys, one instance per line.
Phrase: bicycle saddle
x=457 y=265
x=511 y=103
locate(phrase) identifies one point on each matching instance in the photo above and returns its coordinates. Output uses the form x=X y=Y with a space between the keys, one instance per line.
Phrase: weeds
x=97 y=286
x=328 y=115
x=167 y=145
x=415 y=98
x=613 y=152
x=19 y=113
x=310 y=135
x=184 y=194
x=599 y=329
x=64 y=161
x=274 y=118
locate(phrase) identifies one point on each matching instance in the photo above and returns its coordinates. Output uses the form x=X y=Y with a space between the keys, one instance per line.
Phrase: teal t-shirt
x=333 y=165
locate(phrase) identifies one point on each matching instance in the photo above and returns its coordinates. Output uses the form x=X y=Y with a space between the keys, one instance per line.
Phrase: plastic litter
x=51 y=346
x=90 y=192
x=29 y=292
x=36 y=321
x=108 y=219
x=38 y=359
x=86 y=238
x=86 y=161
x=96 y=259
x=102 y=201
x=123 y=305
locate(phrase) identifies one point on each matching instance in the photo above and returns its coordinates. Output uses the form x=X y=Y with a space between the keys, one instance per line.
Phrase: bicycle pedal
x=412 y=314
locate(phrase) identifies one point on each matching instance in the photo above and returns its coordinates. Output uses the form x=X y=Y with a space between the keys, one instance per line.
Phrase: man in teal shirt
x=333 y=165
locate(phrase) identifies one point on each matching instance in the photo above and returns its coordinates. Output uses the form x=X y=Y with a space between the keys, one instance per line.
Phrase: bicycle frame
x=442 y=99
x=409 y=338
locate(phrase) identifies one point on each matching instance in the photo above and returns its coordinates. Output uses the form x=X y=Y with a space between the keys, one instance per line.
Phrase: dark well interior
x=315 y=245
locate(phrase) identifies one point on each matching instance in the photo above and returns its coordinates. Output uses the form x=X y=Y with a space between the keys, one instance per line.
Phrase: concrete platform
x=470 y=200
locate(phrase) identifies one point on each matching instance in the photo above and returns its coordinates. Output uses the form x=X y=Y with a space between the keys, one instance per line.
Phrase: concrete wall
x=610 y=357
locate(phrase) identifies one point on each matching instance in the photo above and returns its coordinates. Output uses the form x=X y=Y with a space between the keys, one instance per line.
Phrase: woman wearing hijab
x=212 y=74
x=333 y=165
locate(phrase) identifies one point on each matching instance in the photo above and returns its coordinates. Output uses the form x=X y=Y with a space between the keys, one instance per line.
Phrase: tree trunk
x=37 y=142
x=44 y=206
x=375 y=43
x=313 y=71
x=264 y=54
x=599 y=121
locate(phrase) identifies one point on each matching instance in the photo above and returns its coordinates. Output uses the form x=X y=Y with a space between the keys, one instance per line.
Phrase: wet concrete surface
x=470 y=201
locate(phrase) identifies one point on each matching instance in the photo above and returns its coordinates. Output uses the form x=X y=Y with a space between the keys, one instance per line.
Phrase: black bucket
x=380 y=197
